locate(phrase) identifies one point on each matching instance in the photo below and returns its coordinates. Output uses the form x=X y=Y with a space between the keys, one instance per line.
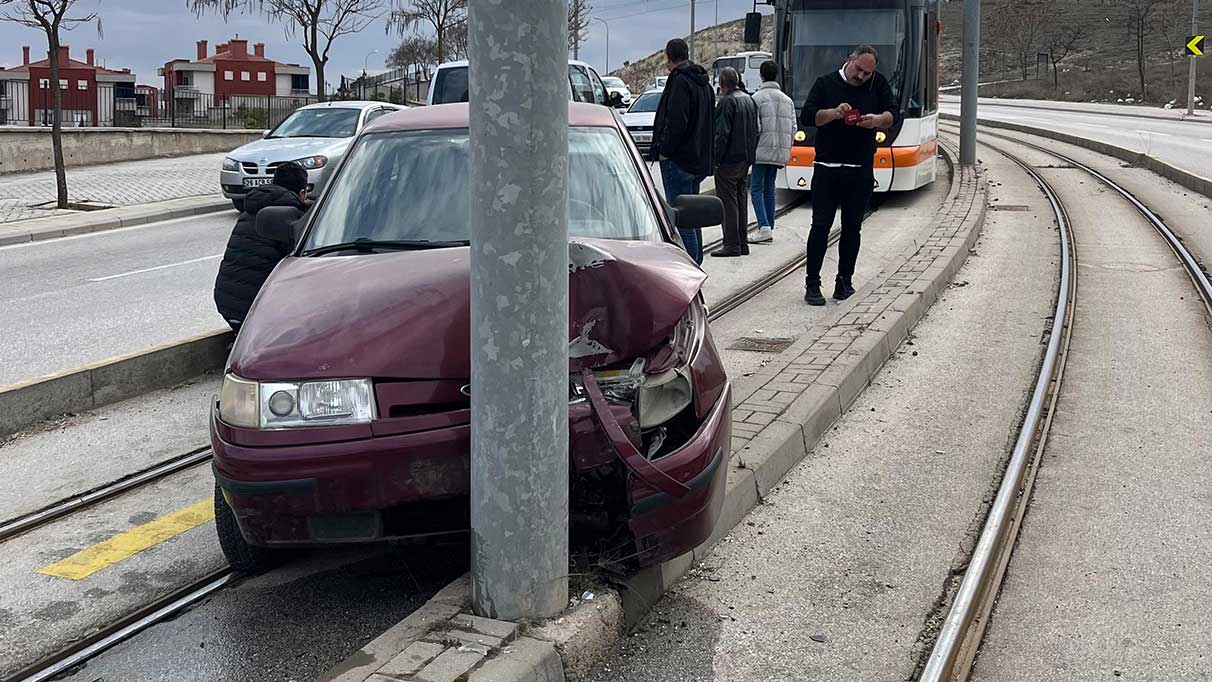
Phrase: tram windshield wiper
x=364 y=245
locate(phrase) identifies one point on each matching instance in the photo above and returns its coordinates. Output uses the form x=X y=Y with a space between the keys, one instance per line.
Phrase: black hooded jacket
x=684 y=129
x=249 y=257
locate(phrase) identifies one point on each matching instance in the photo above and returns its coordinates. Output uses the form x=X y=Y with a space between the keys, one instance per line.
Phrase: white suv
x=450 y=84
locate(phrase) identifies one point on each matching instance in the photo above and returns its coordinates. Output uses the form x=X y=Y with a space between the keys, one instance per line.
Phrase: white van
x=748 y=64
x=449 y=84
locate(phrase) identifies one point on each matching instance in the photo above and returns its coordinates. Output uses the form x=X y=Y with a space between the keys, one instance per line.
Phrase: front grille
x=253 y=169
x=640 y=129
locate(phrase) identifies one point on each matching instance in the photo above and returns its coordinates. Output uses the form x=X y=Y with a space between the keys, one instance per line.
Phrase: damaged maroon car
x=344 y=414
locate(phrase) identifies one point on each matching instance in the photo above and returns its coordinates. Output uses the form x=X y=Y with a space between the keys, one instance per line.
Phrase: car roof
x=464 y=62
x=348 y=104
x=457 y=115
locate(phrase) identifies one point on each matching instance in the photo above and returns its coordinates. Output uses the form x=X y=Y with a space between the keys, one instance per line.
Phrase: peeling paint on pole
x=519 y=307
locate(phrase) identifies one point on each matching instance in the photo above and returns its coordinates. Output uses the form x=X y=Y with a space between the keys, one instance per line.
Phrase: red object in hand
x=853 y=117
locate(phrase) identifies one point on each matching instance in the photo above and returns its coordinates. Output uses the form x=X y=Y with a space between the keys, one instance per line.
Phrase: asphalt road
x=68 y=302
x=1185 y=144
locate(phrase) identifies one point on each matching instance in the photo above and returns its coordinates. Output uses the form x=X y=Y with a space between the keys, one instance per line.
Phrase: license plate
x=643 y=137
x=249 y=183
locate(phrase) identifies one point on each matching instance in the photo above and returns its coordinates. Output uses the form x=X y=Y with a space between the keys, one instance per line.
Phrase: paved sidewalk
x=118 y=184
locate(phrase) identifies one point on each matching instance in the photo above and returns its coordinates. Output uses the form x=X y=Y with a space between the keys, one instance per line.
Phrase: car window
x=755 y=61
x=377 y=113
x=321 y=122
x=646 y=103
x=613 y=82
x=413 y=185
x=599 y=88
x=582 y=87
x=450 y=85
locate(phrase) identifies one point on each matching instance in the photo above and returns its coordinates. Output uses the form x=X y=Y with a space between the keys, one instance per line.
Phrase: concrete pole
x=971 y=75
x=1192 y=58
x=519 y=307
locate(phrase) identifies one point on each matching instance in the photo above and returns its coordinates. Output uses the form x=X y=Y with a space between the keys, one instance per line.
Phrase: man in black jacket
x=249 y=257
x=682 y=133
x=846 y=107
x=736 y=138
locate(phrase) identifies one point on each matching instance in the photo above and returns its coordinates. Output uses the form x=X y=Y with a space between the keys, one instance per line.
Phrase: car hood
x=290 y=148
x=406 y=315
x=646 y=118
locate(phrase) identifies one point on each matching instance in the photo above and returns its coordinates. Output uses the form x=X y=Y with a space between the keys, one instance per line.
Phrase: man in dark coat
x=736 y=140
x=683 y=132
x=250 y=257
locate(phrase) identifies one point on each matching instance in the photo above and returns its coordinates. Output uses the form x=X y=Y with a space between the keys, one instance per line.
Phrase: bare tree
x=1061 y=41
x=447 y=18
x=417 y=54
x=578 y=25
x=1018 y=26
x=1173 y=24
x=1140 y=20
x=320 y=22
x=53 y=17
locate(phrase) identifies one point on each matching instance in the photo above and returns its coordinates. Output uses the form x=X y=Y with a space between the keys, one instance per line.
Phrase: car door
x=600 y=94
x=582 y=86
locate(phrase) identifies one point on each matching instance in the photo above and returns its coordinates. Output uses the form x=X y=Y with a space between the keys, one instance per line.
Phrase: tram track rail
x=964 y=626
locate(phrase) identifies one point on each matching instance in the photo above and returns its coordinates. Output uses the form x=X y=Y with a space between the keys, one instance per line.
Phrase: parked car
x=344 y=412
x=639 y=119
x=315 y=136
x=615 y=85
x=657 y=83
x=450 y=84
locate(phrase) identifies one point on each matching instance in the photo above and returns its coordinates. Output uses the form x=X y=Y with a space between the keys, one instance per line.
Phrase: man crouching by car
x=250 y=257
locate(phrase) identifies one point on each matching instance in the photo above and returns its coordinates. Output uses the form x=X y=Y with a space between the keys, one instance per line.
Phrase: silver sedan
x=315 y=136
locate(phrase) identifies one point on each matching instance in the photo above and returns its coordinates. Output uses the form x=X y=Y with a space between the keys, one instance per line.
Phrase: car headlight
x=230 y=164
x=663 y=397
x=688 y=334
x=286 y=404
x=313 y=162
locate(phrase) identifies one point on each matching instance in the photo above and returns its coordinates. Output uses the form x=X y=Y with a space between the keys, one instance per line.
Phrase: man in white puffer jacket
x=776 y=128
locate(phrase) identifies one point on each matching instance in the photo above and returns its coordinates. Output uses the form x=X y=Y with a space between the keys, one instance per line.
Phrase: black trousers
x=732 y=188
x=832 y=188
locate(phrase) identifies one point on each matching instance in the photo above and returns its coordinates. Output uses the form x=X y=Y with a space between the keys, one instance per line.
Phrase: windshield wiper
x=364 y=245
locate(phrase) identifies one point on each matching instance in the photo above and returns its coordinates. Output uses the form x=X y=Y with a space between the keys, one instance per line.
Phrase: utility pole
x=1192 y=58
x=519 y=307
x=692 y=30
x=607 y=41
x=971 y=75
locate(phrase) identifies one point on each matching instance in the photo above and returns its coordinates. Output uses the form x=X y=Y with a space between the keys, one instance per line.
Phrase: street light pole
x=362 y=94
x=607 y=41
x=519 y=307
x=971 y=75
x=1191 y=75
x=692 y=30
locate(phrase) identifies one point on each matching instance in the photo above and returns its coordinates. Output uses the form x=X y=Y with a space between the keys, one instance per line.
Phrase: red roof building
x=233 y=71
x=91 y=94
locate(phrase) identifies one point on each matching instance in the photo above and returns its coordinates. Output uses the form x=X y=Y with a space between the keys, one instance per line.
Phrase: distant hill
x=709 y=44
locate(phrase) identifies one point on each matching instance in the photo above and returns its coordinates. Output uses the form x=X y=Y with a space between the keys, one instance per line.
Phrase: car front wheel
x=242 y=557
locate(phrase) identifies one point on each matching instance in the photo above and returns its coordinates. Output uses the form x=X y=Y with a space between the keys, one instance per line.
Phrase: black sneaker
x=812 y=296
x=727 y=253
x=842 y=289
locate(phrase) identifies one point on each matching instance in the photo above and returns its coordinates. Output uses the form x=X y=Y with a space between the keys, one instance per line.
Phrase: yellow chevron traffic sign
x=1195 y=46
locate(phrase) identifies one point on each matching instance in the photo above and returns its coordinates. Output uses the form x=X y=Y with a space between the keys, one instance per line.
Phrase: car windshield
x=823 y=39
x=323 y=122
x=645 y=104
x=613 y=82
x=413 y=186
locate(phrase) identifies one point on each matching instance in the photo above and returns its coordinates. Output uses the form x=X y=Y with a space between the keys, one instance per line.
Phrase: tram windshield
x=822 y=39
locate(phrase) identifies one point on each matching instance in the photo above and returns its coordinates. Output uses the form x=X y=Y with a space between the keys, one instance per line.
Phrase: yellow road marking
x=125 y=545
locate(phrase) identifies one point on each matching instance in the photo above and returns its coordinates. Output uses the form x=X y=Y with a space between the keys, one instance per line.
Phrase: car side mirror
x=280 y=223
x=694 y=211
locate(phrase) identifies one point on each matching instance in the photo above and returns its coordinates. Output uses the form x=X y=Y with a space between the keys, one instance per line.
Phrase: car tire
x=239 y=204
x=241 y=556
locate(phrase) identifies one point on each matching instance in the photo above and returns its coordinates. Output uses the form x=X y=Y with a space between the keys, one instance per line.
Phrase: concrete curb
x=54 y=227
x=584 y=635
x=1193 y=182
x=1060 y=106
x=109 y=381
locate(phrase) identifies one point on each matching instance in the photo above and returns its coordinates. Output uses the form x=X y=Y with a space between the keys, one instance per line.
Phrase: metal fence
x=138 y=107
x=399 y=86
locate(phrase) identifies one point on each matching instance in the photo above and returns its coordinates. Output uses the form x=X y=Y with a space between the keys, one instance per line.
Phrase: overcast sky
x=144 y=34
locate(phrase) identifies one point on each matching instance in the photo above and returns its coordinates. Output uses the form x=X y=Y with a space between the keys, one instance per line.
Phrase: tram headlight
x=880 y=137
x=800 y=136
